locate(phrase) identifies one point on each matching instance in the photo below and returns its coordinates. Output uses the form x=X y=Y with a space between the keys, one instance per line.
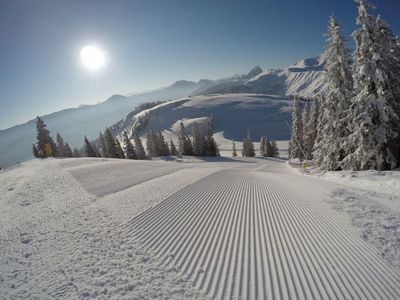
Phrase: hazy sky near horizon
x=150 y=44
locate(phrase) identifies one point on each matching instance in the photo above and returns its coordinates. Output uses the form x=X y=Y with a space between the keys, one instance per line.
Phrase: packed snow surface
x=198 y=228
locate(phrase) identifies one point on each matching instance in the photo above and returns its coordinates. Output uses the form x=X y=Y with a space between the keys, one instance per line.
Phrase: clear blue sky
x=150 y=44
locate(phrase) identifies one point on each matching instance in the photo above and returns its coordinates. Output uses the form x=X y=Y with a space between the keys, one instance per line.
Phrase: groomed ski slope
x=226 y=229
x=236 y=235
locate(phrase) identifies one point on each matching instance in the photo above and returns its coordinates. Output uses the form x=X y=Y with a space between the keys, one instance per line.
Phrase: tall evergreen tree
x=185 y=145
x=35 y=152
x=296 y=139
x=274 y=149
x=103 y=146
x=61 y=148
x=199 y=140
x=43 y=139
x=308 y=142
x=120 y=152
x=173 y=150
x=141 y=154
x=332 y=145
x=234 y=153
x=76 y=153
x=130 y=152
x=111 y=147
x=211 y=147
x=374 y=129
x=68 y=150
x=313 y=125
x=263 y=146
x=89 y=149
x=164 y=145
x=248 y=146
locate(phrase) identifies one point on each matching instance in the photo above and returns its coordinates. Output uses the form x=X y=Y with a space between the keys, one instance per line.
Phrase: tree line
x=129 y=146
x=355 y=123
x=268 y=147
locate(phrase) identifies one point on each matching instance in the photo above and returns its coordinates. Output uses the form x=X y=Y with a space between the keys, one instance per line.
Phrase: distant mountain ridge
x=304 y=79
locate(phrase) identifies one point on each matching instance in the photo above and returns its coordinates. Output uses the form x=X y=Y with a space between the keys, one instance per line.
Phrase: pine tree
x=120 y=152
x=35 y=151
x=263 y=150
x=185 y=145
x=76 y=153
x=274 y=149
x=89 y=149
x=103 y=146
x=129 y=149
x=248 y=146
x=164 y=145
x=151 y=144
x=209 y=143
x=199 y=140
x=375 y=126
x=68 y=150
x=44 y=138
x=174 y=151
x=111 y=147
x=269 y=151
x=296 y=139
x=61 y=149
x=307 y=139
x=141 y=154
x=234 y=153
x=312 y=127
x=332 y=146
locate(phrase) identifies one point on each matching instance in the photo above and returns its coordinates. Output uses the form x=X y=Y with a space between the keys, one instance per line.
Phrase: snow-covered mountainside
x=232 y=115
x=303 y=78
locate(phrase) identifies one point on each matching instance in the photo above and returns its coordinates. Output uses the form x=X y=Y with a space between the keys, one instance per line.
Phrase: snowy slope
x=232 y=114
x=230 y=229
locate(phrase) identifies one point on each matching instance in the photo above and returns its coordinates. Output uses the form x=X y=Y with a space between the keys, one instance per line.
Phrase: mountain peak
x=182 y=84
x=256 y=70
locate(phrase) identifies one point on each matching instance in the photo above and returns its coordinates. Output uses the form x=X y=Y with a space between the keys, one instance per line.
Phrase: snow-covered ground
x=213 y=228
x=372 y=200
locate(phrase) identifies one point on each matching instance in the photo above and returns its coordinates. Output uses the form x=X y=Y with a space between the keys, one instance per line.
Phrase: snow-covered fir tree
x=296 y=138
x=68 y=150
x=172 y=147
x=103 y=147
x=234 y=153
x=248 y=146
x=163 y=144
x=332 y=146
x=263 y=146
x=199 y=144
x=306 y=139
x=43 y=139
x=110 y=145
x=312 y=126
x=274 y=149
x=120 y=152
x=185 y=145
x=35 y=152
x=130 y=152
x=89 y=149
x=76 y=153
x=375 y=126
x=141 y=154
x=61 y=149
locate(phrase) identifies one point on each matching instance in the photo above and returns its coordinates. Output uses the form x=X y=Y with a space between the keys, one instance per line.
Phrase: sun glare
x=93 y=58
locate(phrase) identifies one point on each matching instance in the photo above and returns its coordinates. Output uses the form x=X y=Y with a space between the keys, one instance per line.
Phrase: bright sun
x=93 y=58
